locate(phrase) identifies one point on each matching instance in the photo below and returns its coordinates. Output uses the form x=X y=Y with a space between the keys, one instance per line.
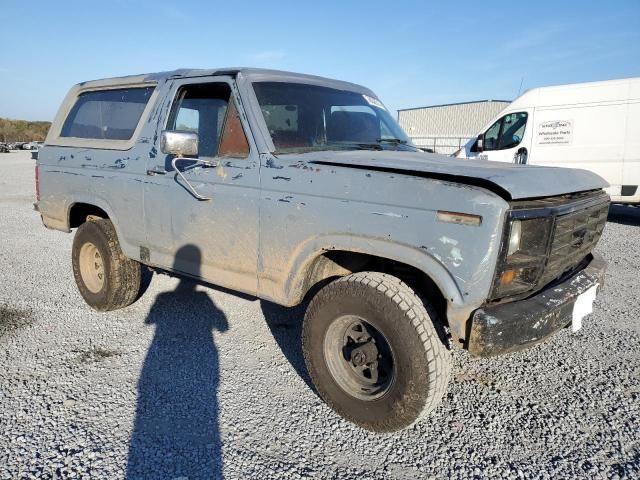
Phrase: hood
x=513 y=182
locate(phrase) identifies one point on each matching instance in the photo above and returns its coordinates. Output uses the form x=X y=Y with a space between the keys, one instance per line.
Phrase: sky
x=411 y=53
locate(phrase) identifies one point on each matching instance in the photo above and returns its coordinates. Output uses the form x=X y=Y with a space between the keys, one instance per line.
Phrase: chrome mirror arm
x=190 y=187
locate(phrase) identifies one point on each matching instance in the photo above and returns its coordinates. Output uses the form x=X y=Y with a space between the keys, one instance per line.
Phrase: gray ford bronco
x=295 y=188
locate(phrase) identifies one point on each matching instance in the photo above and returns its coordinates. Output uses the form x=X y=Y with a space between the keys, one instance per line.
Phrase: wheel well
x=79 y=213
x=336 y=263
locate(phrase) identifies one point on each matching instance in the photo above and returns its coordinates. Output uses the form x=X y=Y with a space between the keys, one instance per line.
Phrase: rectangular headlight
x=523 y=256
x=515 y=235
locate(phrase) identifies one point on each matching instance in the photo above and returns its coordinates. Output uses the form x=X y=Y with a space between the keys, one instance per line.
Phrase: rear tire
x=107 y=280
x=373 y=353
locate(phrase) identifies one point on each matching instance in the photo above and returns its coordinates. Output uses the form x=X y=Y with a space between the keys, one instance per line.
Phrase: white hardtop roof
x=252 y=73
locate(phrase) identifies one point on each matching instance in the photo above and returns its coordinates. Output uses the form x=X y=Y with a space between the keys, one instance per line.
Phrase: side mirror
x=180 y=143
x=480 y=142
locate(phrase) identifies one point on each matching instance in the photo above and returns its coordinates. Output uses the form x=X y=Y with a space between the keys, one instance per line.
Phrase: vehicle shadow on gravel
x=624 y=215
x=176 y=432
x=285 y=324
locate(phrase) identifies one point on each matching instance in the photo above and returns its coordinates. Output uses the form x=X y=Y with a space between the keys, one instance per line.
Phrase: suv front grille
x=575 y=236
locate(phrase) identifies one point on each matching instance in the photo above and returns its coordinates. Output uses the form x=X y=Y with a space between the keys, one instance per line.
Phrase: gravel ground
x=218 y=381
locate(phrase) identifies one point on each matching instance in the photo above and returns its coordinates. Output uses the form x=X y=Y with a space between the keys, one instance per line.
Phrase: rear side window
x=107 y=114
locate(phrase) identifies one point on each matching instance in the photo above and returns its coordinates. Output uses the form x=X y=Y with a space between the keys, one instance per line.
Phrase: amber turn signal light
x=459 y=217
x=507 y=277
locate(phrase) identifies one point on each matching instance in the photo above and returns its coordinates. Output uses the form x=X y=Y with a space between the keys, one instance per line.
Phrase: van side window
x=505 y=133
x=205 y=109
x=512 y=130
x=107 y=114
x=491 y=136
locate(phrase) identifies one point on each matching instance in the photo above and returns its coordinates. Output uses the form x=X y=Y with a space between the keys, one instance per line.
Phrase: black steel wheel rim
x=359 y=358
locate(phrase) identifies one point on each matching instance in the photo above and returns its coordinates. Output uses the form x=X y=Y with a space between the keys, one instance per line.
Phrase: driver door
x=508 y=139
x=204 y=222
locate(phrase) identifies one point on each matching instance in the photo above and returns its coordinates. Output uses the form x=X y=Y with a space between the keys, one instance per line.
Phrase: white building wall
x=447 y=127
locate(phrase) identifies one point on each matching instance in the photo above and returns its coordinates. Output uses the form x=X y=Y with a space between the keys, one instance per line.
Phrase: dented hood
x=510 y=180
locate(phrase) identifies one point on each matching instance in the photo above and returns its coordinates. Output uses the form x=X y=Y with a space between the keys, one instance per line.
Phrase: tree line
x=22 y=130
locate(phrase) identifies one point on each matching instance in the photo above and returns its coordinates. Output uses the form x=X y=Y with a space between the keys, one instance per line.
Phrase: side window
x=187 y=119
x=512 y=130
x=201 y=109
x=206 y=109
x=233 y=142
x=107 y=114
x=491 y=136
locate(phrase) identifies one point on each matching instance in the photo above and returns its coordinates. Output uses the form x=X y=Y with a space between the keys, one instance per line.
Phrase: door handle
x=156 y=171
x=520 y=157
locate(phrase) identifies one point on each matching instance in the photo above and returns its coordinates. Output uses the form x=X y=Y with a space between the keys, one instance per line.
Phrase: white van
x=594 y=126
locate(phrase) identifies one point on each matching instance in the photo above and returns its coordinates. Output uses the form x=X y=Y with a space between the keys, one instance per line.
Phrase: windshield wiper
x=396 y=141
x=369 y=146
x=359 y=146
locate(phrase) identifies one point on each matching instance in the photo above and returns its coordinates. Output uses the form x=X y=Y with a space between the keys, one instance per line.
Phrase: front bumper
x=517 y=325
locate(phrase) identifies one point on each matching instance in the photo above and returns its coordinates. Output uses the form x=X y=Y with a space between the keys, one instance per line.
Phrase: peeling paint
x=448 y=241
x=389 y=214
x=456 y=257
x=271 y=164
x=220 y=171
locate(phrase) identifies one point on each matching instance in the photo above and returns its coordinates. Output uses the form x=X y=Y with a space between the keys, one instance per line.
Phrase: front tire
x=373 y=353
x=107 y=280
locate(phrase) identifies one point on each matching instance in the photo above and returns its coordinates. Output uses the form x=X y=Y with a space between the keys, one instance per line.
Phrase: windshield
x=304 y=117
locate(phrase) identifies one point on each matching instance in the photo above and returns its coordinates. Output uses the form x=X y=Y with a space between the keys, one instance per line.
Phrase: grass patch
x=12 y=319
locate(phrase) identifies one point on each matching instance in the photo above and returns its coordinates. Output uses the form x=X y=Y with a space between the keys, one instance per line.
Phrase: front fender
x=293 y=288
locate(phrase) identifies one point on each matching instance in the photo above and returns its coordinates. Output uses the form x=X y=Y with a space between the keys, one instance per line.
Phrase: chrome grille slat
x=575 y=236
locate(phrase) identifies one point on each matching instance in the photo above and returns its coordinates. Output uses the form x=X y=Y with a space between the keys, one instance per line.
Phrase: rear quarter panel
x=111 y=179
